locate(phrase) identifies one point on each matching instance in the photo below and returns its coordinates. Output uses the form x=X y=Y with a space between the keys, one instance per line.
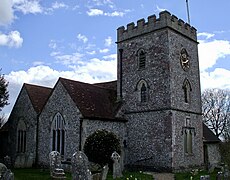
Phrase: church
x=154 y=106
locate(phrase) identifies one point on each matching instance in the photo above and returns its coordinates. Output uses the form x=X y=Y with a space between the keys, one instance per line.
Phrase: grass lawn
x=37 y=174
x=186 y=176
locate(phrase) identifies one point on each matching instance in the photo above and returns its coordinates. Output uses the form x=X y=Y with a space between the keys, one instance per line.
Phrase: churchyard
x=80 y=169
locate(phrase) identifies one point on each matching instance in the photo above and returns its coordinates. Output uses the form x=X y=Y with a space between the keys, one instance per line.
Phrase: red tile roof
x=95 y=101
x=38 y=95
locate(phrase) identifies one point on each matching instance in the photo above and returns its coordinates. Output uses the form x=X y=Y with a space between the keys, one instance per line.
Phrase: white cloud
x=95 y=12
x=110 y=57
x=206 y=35
x=38 y=63
x=82 y=38
x=158 y=9
x=92 y=71
x=55 y=53
x=91 y=52
x=58 y=5
x=104 y=50
x=108 y=3
x=69 y=59
x=210 y=52
x=115 y=13
x=99 y=12
x=53 y=44
x=6 y=12
x=108 y=41
x=219 y=78
x=13 y=39
x=28 y=6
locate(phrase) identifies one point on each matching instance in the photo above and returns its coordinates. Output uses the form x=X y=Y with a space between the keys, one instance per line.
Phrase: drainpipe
x=120 y=63
x=80 y=134
x=36 y=146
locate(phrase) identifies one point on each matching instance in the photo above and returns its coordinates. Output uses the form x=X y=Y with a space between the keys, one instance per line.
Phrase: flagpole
x=188 y=11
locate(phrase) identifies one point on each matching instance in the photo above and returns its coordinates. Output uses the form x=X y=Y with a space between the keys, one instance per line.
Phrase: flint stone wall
x=23 y=110
x=59 y=102
x=149 y=142
x=154 y=126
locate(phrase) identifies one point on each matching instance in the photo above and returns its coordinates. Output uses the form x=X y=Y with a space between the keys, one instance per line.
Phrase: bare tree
x=3 y=119
x=216 y=110
x=4 y=96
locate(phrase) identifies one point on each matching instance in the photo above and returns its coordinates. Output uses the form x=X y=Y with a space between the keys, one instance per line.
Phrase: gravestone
x=20 y=161
x=219 y=176
x=7 y=161
x=80 y=166
x=56 y=172
x=116 y=165
x=205 y=177
x=5 y=174
x=104 y=172
x=29 y=160
x=226 y=172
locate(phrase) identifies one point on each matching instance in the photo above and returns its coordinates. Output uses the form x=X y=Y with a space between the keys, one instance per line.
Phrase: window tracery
x=58 y=134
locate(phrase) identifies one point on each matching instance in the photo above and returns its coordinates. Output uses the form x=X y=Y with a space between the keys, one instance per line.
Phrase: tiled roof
x=38 y=95
x=5 y=127
x=209 y=136
x=95 y=101
x=108 y=85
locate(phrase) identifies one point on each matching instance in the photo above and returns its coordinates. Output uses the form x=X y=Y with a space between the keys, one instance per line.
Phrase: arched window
x=187 y=90
x=141 y=59
x=21 y=137
x=142 y=88
x=58 y=134
x=143 y=93
x=188 y=133
x=188 y=140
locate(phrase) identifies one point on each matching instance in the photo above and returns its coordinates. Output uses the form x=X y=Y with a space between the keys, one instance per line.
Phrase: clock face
x=184 y=59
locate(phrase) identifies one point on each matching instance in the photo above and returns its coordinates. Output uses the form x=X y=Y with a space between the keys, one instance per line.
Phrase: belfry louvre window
x=142 y=59
x=21 y=137
x=58 y=134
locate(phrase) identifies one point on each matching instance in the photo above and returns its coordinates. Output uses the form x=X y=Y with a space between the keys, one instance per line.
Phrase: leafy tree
x=100 y=145
x=4 y=95
x=216 y=110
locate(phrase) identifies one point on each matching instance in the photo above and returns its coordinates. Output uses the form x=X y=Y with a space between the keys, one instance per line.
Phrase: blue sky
x=43 y=40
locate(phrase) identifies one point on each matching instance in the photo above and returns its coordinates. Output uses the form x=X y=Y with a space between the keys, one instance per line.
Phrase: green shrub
x=100 y=145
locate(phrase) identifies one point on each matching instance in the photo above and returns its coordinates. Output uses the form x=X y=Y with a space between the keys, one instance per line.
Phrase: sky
x=42 y=40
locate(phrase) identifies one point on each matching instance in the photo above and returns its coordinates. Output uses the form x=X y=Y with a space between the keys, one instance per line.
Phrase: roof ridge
x=35 y=85
x=93 y=84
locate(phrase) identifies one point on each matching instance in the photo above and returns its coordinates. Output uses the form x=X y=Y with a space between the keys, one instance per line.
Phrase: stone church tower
x=159 y=87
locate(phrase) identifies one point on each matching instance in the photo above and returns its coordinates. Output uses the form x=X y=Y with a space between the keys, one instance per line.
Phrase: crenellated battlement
x=165 y=20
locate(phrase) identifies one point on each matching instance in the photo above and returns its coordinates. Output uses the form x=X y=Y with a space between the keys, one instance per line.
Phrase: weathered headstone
x=20 y=161
x=5 y=174
x=205 y=177
x=56 y=172
x=219 y=176
x=116 y=165
x=80 y=166
x=55 y=161
x=7 y=161
x=226 y=172
x=29 y=160
x=104 y=172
